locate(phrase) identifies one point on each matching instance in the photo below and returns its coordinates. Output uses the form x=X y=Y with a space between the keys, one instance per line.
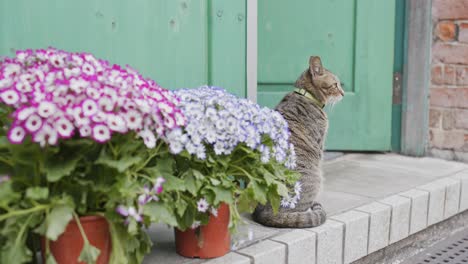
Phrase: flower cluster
x=4 y=178
x=291 y=201
x=147 y=195
x=56 y=94
x=222 y=121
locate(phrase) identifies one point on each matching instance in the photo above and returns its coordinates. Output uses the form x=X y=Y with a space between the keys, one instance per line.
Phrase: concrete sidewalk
x=372 y=201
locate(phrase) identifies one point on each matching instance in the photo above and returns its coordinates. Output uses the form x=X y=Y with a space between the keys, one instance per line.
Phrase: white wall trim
x=252 y=53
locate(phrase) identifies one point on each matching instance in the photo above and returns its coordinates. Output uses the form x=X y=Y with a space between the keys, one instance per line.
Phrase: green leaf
x=119 y=239
x=282 y=189
x=191 y=184
x=215 y=182
x=165 y=166
x=173 y=184
x=56 y=167
x=159 y=213
x=274 y=200
x=58 y=220
x=119 y=164
x=15 y=254
x=7 y=194
x=181 y=205
x=259 y=192
x=37 y=193
x=89 y=253
x=198 y=175
x=222 y=195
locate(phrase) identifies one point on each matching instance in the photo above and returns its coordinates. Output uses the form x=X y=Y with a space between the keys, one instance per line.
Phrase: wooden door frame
x=416 y=77
x=412 y=115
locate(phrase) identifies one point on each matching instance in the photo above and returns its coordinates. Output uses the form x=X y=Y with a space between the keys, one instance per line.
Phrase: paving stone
x=338 y=202
x=399 y=222
x=301 y=246
x=250 y=232
x=379 y=228
x=463 y=177
x=452 y=197
x=419 y=204
x=329 y=242
x=266 y=252
x=436 y=206
x=356 y=234
x=231 y=258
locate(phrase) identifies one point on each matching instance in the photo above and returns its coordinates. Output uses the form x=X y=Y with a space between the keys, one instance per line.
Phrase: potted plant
x=79 y=146
x=231 y=155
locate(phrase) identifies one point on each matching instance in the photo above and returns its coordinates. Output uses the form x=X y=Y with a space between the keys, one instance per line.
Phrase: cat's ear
x=315 y=65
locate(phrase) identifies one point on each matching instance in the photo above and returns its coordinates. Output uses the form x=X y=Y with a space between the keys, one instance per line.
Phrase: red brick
x=434 y=118
x=463 y=33
x=449 y=97
x=449 y=74
x=462 y=75
x=448 y=119
x=437 y=75
x=446 y=139
x=450 y=53
x=461 y=118
x=446 y=31
x=450 y=9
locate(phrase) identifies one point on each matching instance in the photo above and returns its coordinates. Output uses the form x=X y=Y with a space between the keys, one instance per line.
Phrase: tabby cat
x=308 y=123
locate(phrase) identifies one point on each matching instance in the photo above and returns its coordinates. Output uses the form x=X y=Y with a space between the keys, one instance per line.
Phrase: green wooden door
x=178 y=43
x=355 y=39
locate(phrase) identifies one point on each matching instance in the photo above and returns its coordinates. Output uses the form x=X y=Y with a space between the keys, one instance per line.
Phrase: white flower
x=133 y=119
x=85 y=131
x=25 y=113
x=78 y=85
x=16 y=135
x=64 y=127
x=88 y=69
x=116 y=123
x=46 y=109
x=101 y=133
x=89 y=107
x=46 y=135
x=11 y=70
x=10 y=97
x=148 y=138
x=202 y=205
x=33 y=123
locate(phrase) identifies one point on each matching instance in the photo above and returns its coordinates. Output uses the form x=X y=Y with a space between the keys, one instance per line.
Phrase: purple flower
x=130 y=212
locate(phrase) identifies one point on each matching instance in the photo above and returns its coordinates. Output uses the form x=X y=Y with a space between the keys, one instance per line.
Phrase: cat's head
x=320 y=82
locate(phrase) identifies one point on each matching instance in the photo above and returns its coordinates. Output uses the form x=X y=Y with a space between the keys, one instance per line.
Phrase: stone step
x=360 y=228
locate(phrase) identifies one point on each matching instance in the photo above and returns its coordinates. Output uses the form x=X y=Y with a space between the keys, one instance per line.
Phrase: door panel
x=177 y=43
x=354 y=40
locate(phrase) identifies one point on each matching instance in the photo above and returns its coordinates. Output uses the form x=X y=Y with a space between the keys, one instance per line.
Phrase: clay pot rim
x=90 y=218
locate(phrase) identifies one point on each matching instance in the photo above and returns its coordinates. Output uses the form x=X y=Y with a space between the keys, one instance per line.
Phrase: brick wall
x=448 y=114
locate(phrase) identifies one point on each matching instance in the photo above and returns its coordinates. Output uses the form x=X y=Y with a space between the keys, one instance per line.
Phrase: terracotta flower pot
x=67 y=248
x=209 y=241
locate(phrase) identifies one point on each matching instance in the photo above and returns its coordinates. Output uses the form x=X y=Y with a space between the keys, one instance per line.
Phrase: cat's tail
x=313 y=217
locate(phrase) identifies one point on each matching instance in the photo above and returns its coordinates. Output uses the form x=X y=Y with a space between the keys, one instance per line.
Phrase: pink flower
x=9 y=97
x=33 y=123
x=16 y=134
x=46 y=109
x=89 y=107
x=101 y=133
x=64 y=127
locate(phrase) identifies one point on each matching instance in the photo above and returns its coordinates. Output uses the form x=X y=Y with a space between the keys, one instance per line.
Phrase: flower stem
x=242 y=170
x=22 y=212
x=78 y=223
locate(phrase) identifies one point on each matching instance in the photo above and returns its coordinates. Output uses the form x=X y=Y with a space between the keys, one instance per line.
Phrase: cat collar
x=309 y=96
